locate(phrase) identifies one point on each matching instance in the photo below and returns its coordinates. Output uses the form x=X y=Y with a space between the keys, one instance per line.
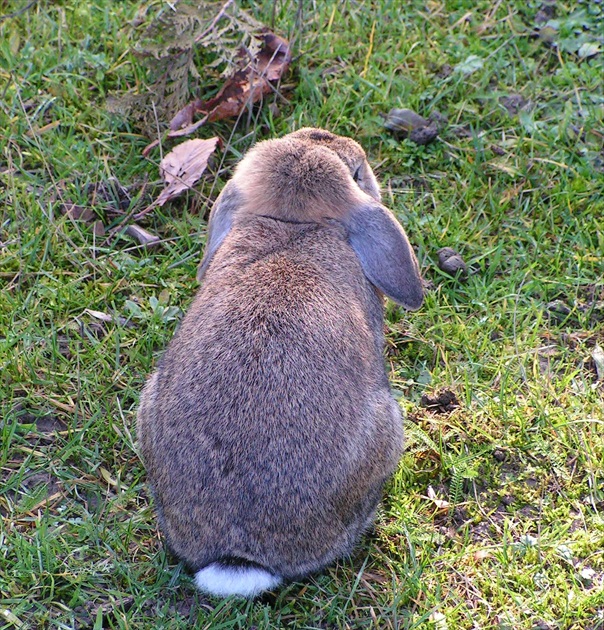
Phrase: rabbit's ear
x=385 y=254
x=219 y=224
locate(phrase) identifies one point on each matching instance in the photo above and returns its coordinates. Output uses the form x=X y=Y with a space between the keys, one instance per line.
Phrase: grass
x=495 y=518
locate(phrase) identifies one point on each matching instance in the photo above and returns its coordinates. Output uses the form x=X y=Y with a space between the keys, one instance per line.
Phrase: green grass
x=495 y=518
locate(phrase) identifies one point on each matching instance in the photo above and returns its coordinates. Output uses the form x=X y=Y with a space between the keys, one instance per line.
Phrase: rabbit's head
x=350 y=152
x=314 y=176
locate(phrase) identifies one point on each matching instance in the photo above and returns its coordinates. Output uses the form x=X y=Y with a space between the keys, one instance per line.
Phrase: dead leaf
x=546 y=12
x=598 y=357
x=77 y=213
x=511 y=193
x=439 y=620
x=245 y=87
x=165 y=44
x=142 y=236
x=182 y=168
x=10 y=617
x=98 y=229
x=482 y=554
x=513 y=103
x=81 y=213
x=104 y=317
x=441 y=504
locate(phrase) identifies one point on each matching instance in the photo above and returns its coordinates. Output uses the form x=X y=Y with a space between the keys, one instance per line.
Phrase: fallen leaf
x=511 y=193
x=548 y=33
x=183 y=166
x=598 y=357
x=558 y=310
x=439 y=620
x=444 y=71
x=513 y=103
x=589 y=49
x=470 y=64
x=98 y=228
x=77 y=213
x=547 y=12
x=482 y=554
x=245 y=87
x=504 y=166
x=62 y=406
x=142 y=236
x=424 y=135
x=111 y=195
x=104 y=317
x=587 y=576
x=38 y=131
x=441 y=504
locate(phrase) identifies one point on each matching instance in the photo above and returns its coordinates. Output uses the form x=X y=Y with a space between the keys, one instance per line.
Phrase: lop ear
x=385 y=253
x=219 y=224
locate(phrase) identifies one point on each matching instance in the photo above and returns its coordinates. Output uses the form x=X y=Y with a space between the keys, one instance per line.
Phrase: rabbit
x=268 y=428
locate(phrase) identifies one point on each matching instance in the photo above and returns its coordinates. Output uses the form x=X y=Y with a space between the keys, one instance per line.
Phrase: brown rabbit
x=268 y=429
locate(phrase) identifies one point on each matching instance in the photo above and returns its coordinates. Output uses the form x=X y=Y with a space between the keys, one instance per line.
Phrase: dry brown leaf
x=98 y=229
x=142 y=236
x=245 y=87
x=77 y=213
x=183 y=166
x=167 y=45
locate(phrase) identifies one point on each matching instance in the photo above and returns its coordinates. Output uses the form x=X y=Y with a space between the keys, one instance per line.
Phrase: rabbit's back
x=273 y=404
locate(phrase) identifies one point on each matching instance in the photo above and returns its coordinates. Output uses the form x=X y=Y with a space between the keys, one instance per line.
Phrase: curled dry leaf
x=183 y=166
x=142 y=236
x=246 y=86
x=104 y=317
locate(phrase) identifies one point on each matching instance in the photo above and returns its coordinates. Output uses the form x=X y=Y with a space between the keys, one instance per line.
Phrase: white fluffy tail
x=225 y=580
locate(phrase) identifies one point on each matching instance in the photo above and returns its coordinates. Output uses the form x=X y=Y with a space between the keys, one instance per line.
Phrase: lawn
x=495 y=518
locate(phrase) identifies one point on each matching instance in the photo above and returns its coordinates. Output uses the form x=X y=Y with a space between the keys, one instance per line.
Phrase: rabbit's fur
x=268 y=429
